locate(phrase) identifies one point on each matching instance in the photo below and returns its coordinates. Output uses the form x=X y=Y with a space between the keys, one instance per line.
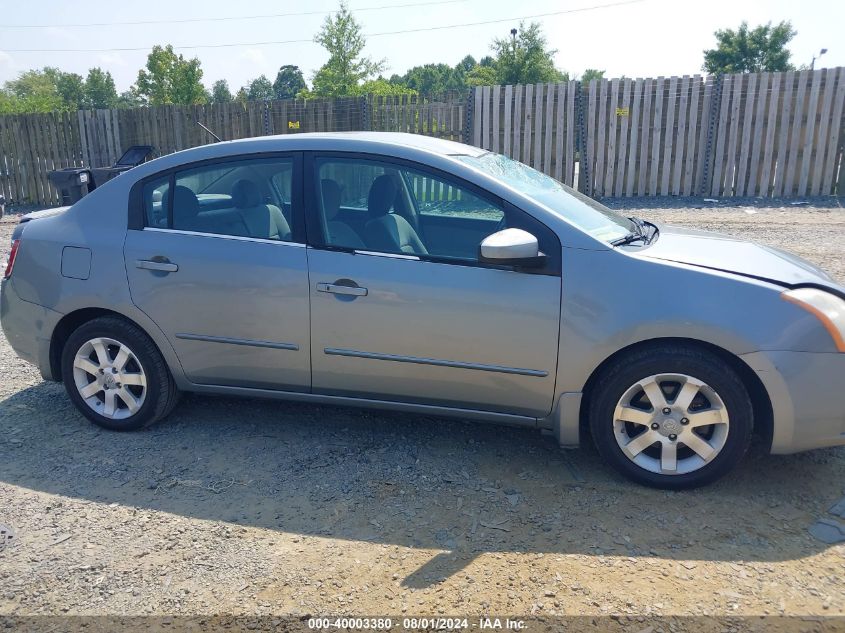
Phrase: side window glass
x=155 y=196
x=344 y=197
x=380 y=207
x=244 y=198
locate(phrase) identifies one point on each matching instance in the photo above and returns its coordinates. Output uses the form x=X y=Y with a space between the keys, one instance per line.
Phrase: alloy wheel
x=110 y=378
x=671 y=424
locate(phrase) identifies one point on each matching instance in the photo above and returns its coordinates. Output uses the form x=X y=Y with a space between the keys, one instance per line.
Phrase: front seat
x=265 y=221
x=388 y=231
x=338 y=233
x=186 y=209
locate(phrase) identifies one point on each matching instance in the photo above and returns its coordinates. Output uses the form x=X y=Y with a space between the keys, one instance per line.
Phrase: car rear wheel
x=116 y=376
x=671 y=416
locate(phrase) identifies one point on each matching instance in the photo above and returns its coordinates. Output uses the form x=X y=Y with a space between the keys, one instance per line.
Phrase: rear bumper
x=807 y=391
x=28 y=328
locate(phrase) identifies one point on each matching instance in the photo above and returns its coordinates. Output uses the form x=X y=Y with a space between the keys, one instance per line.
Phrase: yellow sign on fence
x=293 y=125
x=622 y=112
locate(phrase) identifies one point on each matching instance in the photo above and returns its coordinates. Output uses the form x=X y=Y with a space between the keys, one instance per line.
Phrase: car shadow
x=459 y=488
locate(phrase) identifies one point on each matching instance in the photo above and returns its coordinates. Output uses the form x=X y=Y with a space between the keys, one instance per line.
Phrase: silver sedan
x=408 y=273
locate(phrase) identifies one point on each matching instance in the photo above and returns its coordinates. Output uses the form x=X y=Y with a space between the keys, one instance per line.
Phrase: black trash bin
x=72 y=183
x=132 y=157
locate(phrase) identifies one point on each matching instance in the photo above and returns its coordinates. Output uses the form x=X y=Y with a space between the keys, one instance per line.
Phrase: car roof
x=396 y=144
x=403 y=139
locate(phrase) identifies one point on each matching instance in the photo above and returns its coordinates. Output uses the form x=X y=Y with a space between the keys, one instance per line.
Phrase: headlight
x=827 y=308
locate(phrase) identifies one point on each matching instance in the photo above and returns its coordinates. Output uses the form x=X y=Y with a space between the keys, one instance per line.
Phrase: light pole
x=815 y=57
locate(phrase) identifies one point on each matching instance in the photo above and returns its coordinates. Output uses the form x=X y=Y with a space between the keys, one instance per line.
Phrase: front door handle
x=149 y=264
x=355 y=291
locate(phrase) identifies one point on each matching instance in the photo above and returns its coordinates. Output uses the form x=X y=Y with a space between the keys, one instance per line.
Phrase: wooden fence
x=767 y=134
x=32 y=145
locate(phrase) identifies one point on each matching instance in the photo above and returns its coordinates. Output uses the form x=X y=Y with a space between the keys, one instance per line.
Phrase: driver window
x=375 y=206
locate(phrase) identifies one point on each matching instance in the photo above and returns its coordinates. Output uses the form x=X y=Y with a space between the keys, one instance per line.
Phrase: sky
x=643 y=38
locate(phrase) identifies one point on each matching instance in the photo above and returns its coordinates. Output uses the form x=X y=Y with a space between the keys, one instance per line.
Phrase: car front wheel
x=116 y=376
x=671 y=416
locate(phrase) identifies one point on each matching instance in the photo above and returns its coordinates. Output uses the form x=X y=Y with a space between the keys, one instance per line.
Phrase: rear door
x=212 y=265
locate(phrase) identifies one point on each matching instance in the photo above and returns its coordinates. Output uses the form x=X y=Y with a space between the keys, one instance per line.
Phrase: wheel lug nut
x=684 y=421
x=655 y=425
x=667 y=411
x=673 y=437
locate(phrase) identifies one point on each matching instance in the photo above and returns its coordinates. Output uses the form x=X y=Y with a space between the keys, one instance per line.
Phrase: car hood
x=733 y=255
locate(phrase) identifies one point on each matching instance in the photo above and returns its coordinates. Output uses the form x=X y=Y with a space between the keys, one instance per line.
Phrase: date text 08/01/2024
x=424 y=623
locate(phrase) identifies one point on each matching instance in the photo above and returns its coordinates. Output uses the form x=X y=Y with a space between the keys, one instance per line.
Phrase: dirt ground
x=252 y=507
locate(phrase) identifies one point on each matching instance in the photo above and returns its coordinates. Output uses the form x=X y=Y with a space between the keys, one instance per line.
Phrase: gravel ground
x=252 y=507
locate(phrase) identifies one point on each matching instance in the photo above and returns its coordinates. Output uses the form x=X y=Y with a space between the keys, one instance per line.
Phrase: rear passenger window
x=244 y=198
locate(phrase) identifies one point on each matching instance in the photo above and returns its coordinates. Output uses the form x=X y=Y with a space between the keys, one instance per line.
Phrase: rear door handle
x=148 y=264
x=355 y=291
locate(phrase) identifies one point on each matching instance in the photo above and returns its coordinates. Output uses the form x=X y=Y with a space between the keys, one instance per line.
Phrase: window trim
x=314 y=227
x=137 y=217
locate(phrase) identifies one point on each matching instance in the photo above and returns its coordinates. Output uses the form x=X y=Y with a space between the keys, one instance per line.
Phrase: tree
x=289 y=82
x=129 y=99
x=590 y=74
x=220 y=92
x=99 y=90
x=170 y=78
x=69 y=86
x=259 y=89
x=482 y=76
x=34 y=91
x=381 y=87
x=762 y=49
x=342 y=36
x=524 y=58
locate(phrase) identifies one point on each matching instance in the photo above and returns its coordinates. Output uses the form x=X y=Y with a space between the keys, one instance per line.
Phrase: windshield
x=584 y=212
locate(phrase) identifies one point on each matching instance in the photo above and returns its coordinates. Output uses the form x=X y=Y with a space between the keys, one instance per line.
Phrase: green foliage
x=482 y=76
x=220 y=92
x=51 y=90
x=70 y=87
x=525 y=59
x=129 y=99
x=590 y=74
x=289 y=82
x=170 y=78
x=100 y=92
x=762 y=49
x=259 y=89
x=342 y=36
x=381 y=87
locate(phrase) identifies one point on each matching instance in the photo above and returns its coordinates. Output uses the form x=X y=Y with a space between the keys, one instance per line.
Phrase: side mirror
x=513 y=247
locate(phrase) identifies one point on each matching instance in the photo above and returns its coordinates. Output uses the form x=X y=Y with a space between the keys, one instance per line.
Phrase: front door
x=219 y=269
x=405 y=313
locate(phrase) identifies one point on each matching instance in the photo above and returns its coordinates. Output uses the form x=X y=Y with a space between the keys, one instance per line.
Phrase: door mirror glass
x=511 y=246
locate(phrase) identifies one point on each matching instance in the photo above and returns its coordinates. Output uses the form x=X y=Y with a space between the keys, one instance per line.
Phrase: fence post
x=712 y=129
x=584 y=182
x=469 y=116
x=266 y=118
x=365 y=114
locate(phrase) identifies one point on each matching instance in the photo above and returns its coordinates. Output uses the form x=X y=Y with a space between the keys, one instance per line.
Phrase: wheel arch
x=73 y=320
x=760 y=400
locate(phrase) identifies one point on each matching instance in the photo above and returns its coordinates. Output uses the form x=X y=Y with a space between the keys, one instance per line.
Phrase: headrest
x=382 y=195
x=331 y=198
x=246 y=194
x=185 y=203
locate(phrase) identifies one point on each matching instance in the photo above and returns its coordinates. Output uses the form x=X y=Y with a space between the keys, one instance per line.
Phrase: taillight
x=11 y=263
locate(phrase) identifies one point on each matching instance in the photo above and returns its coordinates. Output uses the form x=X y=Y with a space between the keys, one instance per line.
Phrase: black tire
x=161 y=392
x=702 y=364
